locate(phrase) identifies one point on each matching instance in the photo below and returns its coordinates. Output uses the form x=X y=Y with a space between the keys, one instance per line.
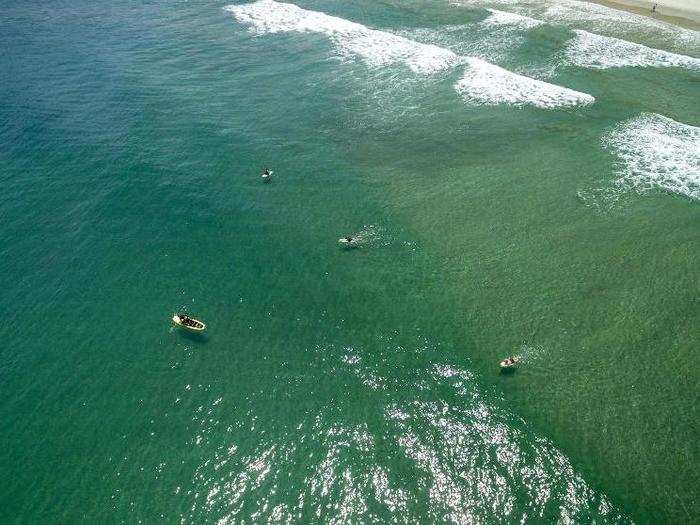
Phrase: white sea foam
x=485 y=83
x=504 y=18
x=376 y=48
x=601 y=52
x=656 y=151
x=577 y=14
x=608 y=19
x=575 y=11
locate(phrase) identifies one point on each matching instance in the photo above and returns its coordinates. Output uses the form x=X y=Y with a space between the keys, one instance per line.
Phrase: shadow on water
x=200 y=338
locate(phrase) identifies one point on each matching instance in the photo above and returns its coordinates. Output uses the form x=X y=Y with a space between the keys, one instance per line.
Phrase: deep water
x=509 y=216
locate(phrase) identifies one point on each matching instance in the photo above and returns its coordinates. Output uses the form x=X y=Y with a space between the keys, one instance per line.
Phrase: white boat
x=510 y=362
x=189 y=323
x=267 y=175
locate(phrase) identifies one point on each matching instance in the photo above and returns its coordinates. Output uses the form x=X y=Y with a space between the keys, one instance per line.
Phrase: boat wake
x=368 y=235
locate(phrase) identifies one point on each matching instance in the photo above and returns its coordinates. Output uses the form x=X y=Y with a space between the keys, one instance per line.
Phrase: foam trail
x=503 y=18
x=485 y=83
x=656 y=151
x=482 y=83
x=376 y=48
x=602 y=52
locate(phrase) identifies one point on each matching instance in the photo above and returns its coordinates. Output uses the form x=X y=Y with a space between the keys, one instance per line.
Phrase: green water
x=335 y=386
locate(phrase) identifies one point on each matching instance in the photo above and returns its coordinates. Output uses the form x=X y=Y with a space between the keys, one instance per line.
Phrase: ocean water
x=524 y=178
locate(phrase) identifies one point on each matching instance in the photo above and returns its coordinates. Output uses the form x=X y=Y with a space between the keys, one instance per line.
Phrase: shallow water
x=520 y=188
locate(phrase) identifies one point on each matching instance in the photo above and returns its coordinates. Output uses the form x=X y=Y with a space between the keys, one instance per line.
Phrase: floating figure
x=267 y=175
x=510 y=362
x=349 y=241
x=189 y=323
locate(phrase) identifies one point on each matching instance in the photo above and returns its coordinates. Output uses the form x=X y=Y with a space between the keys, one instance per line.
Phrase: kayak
x=510 y=362
x=189 y=323
x=267 y=176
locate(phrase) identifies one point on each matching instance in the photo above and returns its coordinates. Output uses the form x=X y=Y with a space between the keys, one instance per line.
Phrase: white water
x=482 y=83
x=576 y=14
x=602 y=52
x=502 y=18
x=657 y=152
x=376 y=48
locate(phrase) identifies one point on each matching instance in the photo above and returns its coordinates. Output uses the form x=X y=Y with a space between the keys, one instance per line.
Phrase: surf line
x=482 y=84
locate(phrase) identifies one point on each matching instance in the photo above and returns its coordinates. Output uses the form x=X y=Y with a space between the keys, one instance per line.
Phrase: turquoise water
x=498 y=216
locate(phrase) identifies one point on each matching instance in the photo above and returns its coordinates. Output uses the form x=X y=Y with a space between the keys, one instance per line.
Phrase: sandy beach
x=685 y=13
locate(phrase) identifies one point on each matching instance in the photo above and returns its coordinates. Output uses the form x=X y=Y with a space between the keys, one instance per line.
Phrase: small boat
x=267 y=175
x=510 y=362
x=189 y=323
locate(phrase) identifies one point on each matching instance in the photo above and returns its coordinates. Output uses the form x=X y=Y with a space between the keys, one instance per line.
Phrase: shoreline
x=666 y=11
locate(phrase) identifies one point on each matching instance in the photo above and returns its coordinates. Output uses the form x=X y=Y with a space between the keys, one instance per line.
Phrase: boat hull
x=200 y=327
x=506 y=363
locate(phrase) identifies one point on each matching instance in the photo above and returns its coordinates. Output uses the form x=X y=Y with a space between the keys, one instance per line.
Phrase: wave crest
x=488 y=84
x=482 y=83
x=602 y=52
x=376 y=48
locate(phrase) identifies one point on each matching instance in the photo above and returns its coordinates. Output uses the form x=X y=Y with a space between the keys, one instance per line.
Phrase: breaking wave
x=503 y=18
x=576 y=14
x=611 y=20
x=485 y=83
x=602 y=52
x=657 y=152
x=376 y=48
x=482 y=82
